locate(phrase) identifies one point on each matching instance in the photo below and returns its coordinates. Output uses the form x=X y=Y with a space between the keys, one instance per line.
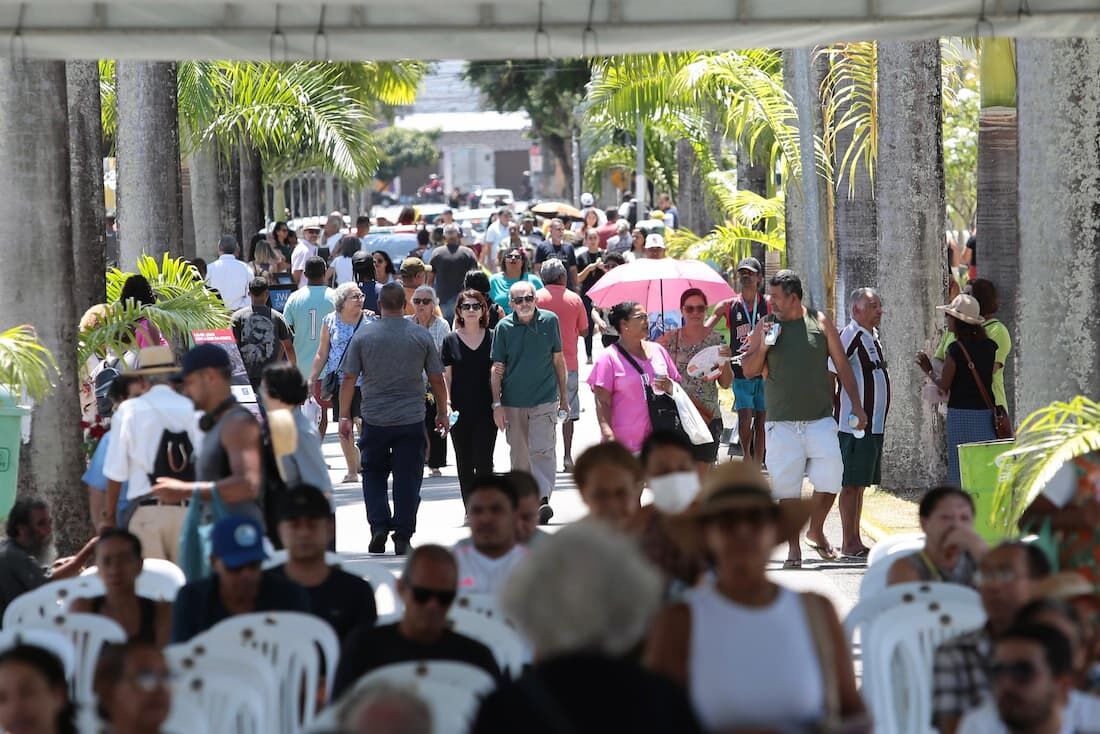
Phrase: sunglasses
x=470 y=307
x=513 y=257
x=422 y=595
x=523 y=299
x=754 y=517
x=694 y=309
x=423 y=301
x=1020 y=672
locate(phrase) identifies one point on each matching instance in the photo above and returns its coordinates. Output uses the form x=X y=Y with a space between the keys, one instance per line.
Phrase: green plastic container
x=11 y=419
x=978 y=471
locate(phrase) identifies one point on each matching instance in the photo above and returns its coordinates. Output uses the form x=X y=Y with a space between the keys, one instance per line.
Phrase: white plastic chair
x=510 y=650
x=897 y=660
x=916 y=592
x=452 y=690
x=185 y=717
x=88 y=633
x=386 y=599
x=291 y=641
x=892 y=543
x=278 y=558
x=55 y=641
x=159 y=579
x=874 y=578
x=226 y=707
x=250 y=667
x=487 y=605
x=49 y=599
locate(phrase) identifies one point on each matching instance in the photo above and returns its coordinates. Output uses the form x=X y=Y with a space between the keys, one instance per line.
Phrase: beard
x=45 y=553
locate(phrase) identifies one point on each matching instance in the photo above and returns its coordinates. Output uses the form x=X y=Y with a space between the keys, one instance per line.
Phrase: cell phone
x=773 y=334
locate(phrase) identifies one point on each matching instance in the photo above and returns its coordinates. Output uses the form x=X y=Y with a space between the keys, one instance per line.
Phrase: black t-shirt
x=964 y=391
x=259 y=332
x=368 y=648
x=972 y=243
x=588 y=693
x=471 y=393
x=584 y=259
x=450 y=268
x=565 y=253
x=343 y=600
x=20 y=572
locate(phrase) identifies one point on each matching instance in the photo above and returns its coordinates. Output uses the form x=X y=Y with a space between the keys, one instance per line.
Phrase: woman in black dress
x=466 y=363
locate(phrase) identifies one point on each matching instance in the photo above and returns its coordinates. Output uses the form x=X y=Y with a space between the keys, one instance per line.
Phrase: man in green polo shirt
x=528 y=381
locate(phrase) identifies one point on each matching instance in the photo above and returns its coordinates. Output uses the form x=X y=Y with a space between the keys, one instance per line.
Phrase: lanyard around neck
x=751 y=317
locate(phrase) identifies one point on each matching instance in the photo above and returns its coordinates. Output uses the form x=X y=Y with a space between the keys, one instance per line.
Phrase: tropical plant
x=1046 y=440
x=25 y=365
x=183 y=304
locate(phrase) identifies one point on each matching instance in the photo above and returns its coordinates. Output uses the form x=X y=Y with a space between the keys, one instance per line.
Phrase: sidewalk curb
x=872 y=530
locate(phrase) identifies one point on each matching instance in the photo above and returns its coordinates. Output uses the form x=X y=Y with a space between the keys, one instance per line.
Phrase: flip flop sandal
x=792 y=564
x=858 y=556
x=827 y=554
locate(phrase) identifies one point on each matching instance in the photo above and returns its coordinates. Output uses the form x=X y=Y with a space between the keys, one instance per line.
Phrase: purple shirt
x=629 y=412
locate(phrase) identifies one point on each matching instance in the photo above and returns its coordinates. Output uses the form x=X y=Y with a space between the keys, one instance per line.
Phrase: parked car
x=491 y=197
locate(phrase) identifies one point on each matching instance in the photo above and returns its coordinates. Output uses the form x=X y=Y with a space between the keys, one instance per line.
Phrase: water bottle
x=453 y=418
x=561 y=416
x=853 y=421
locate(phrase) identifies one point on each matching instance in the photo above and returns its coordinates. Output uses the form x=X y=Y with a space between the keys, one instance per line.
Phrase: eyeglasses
x=513 y=257
x=422 y=595
x=1020 y=672
x=470 y=307
x=523 y=299
x=149 y=680
x=996 y=576
x=754 y=517
x=356 y=296
x=694 y=309
x=423 y=301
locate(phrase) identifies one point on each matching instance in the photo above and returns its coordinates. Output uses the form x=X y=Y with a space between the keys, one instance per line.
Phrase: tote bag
x=196 y=534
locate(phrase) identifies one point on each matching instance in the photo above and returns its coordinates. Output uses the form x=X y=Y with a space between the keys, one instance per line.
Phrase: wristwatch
x=496 y=405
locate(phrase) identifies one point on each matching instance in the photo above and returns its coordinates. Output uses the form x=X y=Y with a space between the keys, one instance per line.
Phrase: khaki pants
x=158 y=528
x=533 y=439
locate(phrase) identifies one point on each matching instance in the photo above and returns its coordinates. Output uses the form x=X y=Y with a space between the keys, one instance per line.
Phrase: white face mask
x=673 y=493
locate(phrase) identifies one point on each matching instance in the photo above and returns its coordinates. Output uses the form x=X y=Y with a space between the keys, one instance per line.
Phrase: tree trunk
x=1058 y=312
x=206 y=204
x=188 y=211
x=912 y=273
x=86 y=180
x=752 y=176
x=559 y=147
x=229 y=196
x=857 y=250
x=808 y=204
x=34 y=155
x=150 y=211
x=691 y=198
x=253 y=216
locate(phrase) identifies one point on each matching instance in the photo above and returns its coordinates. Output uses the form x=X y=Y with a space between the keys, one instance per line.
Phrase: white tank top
x=753 y=667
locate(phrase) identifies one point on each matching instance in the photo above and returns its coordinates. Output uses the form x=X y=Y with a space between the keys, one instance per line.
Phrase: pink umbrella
x=658 y=284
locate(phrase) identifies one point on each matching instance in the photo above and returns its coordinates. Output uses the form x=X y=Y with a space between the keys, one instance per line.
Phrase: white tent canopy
x=395 y=29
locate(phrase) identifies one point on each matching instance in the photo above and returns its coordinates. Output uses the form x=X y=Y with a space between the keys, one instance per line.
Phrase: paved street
x=441 y=515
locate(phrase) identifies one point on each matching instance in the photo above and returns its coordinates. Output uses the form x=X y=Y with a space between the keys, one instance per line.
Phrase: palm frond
x=850 y=98
x=108 y=99
x=724 y=245
x=1046 y=440
x=26 y=365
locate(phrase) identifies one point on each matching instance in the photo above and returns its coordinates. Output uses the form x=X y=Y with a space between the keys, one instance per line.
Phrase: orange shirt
x=572 y=319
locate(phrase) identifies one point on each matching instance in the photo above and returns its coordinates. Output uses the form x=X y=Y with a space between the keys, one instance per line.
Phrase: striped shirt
x=872 y=379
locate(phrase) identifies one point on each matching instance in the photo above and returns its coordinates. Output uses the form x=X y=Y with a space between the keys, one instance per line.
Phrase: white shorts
x=803 y=448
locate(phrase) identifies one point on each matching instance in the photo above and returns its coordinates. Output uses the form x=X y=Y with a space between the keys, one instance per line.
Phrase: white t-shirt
x=334 y=240
x=302 y=252
x=344 y=272
x=230 y=278
x=479 y=574
x=494 y=235
x=1081 y=715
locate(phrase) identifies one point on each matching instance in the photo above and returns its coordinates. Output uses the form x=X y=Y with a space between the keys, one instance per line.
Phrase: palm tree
x=912 y=275
x=38 y=290
x=86 y=179
x=1059 y=315
x=25 y=365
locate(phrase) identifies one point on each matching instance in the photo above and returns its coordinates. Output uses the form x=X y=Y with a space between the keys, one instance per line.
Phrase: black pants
x=591 y=326
x=437 y=445
x=474 y=439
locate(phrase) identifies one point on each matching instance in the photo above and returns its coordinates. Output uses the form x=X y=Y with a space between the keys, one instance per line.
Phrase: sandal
x=792 y=564
x=826 y=553
x=348 y=478
x=860 y=555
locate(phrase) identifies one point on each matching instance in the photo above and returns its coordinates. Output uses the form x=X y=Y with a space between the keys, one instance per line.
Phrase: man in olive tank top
x=800 y=429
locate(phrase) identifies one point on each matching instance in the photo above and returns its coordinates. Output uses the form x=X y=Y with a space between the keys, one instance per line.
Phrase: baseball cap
x=654 y=241
x=203 y=356
x=238 y=541
x=414 y=266
x=587 y=199
x=750 y=263
x=304 y=501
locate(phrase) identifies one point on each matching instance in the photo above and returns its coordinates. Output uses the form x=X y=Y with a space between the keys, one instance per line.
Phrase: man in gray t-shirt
x=450 y=264
x=392 y=355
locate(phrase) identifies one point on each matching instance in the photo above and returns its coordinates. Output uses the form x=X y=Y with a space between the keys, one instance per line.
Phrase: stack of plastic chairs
x=87 y=633
x=509 y=648
x=159 y=579
x=882 y=556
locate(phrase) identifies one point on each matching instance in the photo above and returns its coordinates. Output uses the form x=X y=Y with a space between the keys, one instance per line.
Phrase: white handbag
x=690 y=420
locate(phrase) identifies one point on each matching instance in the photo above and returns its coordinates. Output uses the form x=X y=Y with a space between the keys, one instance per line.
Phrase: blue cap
x=238 y=541
x=201 y=356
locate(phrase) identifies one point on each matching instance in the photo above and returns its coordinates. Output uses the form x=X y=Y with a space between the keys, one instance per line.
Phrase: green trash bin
x=11 y=419
x=978 y=471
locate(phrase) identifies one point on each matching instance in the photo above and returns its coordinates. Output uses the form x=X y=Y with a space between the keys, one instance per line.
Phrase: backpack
x=175 y=457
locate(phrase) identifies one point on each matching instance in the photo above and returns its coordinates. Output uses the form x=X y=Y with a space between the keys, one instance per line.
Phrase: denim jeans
x=398 y=450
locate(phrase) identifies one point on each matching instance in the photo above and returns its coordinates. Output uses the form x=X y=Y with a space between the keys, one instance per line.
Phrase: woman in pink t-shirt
x=137 y=289
x=620 y=395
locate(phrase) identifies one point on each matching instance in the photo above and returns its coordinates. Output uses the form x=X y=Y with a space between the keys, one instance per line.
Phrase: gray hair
x=426 y=289
x=552 y=271
x=587 y=588
x=343 y=292
x=859 y=295
x=451 y=229
x=335 y=219
x=414 y=716
x=520 y=286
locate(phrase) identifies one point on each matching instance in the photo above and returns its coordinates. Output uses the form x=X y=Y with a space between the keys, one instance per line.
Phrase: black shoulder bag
x=662 y=408
x=331 y=384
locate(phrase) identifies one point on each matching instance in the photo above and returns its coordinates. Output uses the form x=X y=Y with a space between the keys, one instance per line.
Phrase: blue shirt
x=303 y=312
x=95 y=478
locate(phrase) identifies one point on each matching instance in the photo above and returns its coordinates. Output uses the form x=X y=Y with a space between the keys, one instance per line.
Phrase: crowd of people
x=639 y=617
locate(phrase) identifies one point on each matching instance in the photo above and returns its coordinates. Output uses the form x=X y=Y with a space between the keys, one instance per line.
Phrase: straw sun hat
x=964 y=308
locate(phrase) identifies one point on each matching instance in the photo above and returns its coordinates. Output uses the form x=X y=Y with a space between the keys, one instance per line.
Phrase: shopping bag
x=196 y=534
x=691 y=422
